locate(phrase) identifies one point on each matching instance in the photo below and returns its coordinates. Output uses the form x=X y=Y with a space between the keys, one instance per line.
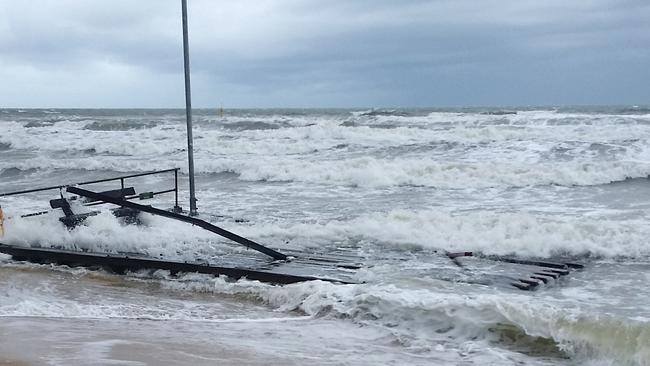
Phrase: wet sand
x=50 y=341
x=43 y=341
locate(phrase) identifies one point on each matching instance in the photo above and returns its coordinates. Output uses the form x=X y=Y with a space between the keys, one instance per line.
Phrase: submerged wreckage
x=253 y=268
x=275 y=267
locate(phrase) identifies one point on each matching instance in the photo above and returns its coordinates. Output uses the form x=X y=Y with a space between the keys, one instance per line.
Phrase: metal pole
x=176 y=188
x=188 y=109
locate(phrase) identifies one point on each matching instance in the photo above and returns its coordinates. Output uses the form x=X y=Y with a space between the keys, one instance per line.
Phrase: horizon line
x=632 y=105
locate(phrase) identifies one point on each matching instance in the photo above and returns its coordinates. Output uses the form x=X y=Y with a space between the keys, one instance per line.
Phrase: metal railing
x=120 y=178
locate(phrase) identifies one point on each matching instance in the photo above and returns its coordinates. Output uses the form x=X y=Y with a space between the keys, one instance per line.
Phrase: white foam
x=323 y=151
x=426 y=316
x=374 y=172
x=584 y=336
x=490 y=232
x=321 y=134
x=477 y=151
x=420 y=318
x=522 y=118
x=105 y=233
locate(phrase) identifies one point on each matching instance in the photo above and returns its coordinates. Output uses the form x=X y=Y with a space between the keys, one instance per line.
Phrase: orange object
x=2 y=223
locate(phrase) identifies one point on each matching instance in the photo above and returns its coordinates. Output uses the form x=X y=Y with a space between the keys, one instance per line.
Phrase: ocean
x=396 y=187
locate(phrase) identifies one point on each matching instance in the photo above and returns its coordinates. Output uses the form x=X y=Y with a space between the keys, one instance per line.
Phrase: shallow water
x=389 y=186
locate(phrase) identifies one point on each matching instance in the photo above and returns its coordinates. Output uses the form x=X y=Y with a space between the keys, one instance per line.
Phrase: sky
x=334 y=53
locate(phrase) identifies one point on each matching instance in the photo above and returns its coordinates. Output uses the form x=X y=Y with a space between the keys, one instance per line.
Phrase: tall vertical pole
x=188 y=109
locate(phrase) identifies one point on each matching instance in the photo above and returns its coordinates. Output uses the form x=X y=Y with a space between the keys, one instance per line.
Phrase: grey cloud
x=334 y=53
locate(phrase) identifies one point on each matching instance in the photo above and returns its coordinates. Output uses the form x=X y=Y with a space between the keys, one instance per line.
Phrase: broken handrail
x=120 y=178
x=137 y=196
x=171 y=215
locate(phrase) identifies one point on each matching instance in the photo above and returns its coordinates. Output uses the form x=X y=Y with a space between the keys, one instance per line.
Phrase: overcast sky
x=325 y=53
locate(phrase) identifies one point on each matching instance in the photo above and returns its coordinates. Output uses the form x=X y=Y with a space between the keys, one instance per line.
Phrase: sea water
x=399 y=186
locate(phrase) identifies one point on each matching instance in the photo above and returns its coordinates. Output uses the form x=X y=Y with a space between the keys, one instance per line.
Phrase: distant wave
x=380 y=112
x=15 y=172
x=519 y=118
x=451 y=127
x=634 y=110
x=499 y=112
x=454 y=150
x=373 y=172
x=36 y=124
x=253 y=125
x=119 y=126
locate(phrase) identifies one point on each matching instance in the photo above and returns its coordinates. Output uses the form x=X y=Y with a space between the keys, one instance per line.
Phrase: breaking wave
x=15 y=172
x=422 y=321
x=379 y=160
x=523 y=234
x=372 y=172
x=253 y=126
x=380 y=112
x=119 y=125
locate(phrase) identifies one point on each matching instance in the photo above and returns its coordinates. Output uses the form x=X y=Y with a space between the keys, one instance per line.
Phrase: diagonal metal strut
x=171 y=215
